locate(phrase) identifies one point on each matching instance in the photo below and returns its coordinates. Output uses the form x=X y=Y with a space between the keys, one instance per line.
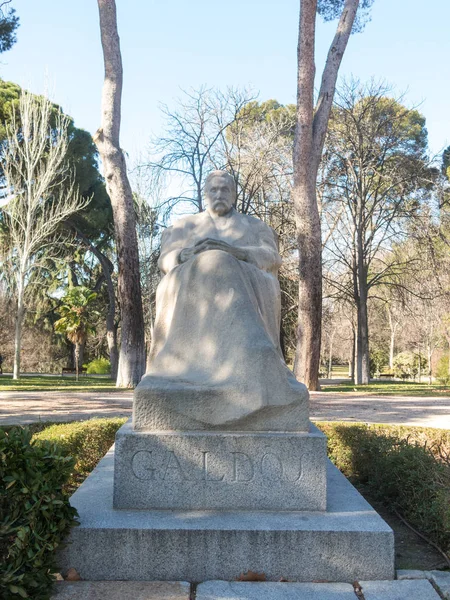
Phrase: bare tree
x=40 y=194
x=312 y=122
x=149 y=237
x=376 y=180
x=193 y=143
x=257 y=151
x=132 y=355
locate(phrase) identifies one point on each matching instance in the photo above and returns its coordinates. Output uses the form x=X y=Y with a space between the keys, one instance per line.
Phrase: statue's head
x=220 y=193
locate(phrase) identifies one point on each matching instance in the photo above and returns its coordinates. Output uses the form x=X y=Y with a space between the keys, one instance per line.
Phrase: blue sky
x=179 y=44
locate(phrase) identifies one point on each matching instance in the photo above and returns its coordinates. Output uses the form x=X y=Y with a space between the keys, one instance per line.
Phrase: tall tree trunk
x=311 y=127
x=111 y=340
x=79 y=354
x=309 y=238
x=393 y=327
x=362 y=341
x=307 y=352
x=362 y=335
x=19 y=324
x=447 y=339
x=353 y=357
x=392 y=349
x=77 y=360
x=448 y=359
x=330 y=356
x=430 y=371
x=362 y=344
x=420 y=366
x=132 y=356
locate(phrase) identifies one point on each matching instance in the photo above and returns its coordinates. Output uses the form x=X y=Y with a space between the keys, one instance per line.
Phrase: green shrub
x=442 y=372
x=406 y=364
x=86 y=441
x=406 y=468
x=379 y=359
x=99 y=366
x=35 y=515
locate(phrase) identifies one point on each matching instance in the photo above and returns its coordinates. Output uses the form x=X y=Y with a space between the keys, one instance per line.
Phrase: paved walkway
x=424 y=587
x=401 y=410
x=29 y=407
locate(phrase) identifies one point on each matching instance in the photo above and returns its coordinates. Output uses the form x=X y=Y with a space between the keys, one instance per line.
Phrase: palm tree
x=76 y=313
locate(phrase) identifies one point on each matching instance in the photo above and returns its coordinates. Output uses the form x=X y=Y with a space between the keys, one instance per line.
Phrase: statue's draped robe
x=216 y=357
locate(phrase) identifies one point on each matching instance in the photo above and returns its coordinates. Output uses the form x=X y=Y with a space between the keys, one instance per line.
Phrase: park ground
x=54 y=398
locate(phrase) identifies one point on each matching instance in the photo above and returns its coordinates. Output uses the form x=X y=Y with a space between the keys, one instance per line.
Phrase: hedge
x=35 y=515
x=86 y=441
x=407 y=468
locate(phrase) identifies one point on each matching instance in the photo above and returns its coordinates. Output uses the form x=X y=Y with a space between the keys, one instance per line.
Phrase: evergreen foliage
x=35 y=514
x=9 y=22
x=442 y=371
x=407 y=469
x=406 y=364
x=76 y=317
x=86 y=441
x=332 y=9
x=98 y=366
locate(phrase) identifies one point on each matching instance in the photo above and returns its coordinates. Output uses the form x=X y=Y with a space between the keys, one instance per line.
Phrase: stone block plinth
x=201 y=470
x=347 y=542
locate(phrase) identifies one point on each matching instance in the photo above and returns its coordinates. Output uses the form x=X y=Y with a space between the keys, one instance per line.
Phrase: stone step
x=121 y=590
x=440 y=579
x=419 y=589
x=416 y=589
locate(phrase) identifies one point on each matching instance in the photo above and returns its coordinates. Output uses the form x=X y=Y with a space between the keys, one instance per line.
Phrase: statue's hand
x=212 y=244
x=186 y=254
x=205 y=244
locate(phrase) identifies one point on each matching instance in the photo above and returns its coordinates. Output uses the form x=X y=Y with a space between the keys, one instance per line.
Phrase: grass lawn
x=45 y=383
x=339 y=371
x=391 y=388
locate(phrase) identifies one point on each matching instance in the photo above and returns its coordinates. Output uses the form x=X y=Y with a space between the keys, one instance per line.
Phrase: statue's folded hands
x=212 y=244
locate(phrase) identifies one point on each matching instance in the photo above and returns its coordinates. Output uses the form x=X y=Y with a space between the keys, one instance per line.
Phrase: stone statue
x=216 y=361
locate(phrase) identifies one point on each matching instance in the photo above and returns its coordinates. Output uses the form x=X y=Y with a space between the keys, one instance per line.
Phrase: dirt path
x=401 y=410
x=29 y=407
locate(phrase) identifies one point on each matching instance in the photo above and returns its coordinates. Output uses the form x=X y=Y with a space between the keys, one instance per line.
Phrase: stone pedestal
x=346 y=542
x=220 y=470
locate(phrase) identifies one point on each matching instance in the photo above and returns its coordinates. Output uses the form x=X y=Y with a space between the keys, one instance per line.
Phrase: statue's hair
x=225 y=175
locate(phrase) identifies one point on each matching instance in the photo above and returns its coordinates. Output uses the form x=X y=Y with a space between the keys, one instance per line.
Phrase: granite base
x=200 y=470
x=347 y=542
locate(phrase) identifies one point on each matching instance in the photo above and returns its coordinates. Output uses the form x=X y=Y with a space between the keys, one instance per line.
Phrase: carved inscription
x=141 y=465
x=234 y=467
x=243 y=469
x=206 y=476
x=271 y=466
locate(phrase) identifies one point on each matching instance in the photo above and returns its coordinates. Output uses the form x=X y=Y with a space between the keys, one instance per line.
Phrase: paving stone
x=418 y=589
x=412 y=574
x=121 y=590
x=442 y=580
x=225 y=590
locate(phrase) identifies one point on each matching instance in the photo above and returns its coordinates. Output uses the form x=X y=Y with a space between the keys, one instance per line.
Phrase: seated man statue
x=216 y=361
